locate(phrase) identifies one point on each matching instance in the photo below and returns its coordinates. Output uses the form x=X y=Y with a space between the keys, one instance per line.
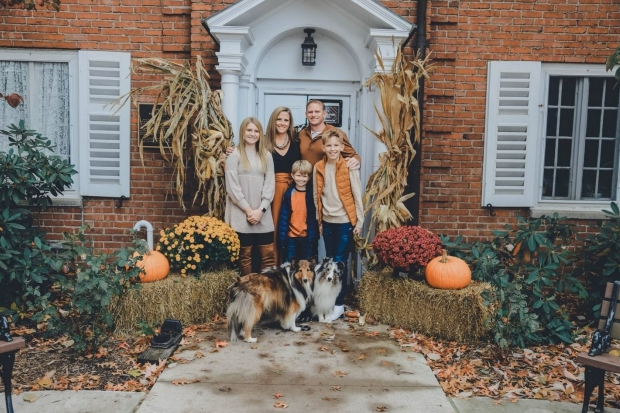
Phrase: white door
x=338 y=107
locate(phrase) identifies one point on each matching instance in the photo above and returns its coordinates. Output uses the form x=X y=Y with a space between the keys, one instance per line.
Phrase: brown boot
x=245 y=260
x=267 y=256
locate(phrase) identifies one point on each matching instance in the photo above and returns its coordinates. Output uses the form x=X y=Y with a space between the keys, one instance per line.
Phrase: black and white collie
x=327 y=285
x=281 y=293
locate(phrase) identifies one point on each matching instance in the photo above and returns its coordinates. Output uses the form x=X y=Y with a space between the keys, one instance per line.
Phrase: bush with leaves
x=602 y=255
x=86 y=282
x=29 y=175
x=527 y=267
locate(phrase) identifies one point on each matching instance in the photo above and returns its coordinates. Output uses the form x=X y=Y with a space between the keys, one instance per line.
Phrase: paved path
x=326 y=369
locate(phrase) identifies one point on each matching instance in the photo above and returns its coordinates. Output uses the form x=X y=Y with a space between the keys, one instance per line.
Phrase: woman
x=280 y=140
x=250 y=186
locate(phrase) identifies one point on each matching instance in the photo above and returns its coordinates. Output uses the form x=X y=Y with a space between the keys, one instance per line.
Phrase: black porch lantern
x=308 y=49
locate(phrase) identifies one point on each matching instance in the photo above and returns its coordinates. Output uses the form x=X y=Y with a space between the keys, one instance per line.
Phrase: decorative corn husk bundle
x=400 y=128
x=188 y=110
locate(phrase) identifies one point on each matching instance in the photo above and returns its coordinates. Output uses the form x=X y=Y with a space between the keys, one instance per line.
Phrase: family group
x=287 y=189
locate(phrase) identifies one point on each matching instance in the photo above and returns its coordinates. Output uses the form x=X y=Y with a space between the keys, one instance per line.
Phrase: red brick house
x=519 y=112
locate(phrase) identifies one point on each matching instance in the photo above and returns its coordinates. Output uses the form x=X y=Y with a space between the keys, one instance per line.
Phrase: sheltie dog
x=280 y=292
x=327 y=285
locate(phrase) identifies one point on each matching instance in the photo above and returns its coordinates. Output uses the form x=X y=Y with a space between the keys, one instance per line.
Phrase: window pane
x=566 y=122
x=610 y=117
x=569 y=87
x=550 y=152
x=590 y=159
x=562 y=178
x=552 y=122
x=13 y=79
x=608 y=153
x=593 y=129
x=604 y=184
x=554 y=90
x=595 y=95
x=51 y=114
x=588 y=184
x=565 y=150
x=547 y=182
x=611 y=93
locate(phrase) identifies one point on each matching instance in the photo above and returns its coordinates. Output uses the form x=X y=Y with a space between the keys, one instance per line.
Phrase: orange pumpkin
x=154 y=265
x=447 y=272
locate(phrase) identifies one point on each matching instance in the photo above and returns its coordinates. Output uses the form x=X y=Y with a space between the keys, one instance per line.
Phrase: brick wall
x=462 y=35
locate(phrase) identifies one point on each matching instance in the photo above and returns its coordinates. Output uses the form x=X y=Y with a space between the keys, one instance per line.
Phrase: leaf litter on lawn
x=479 y=369
x=51 y=364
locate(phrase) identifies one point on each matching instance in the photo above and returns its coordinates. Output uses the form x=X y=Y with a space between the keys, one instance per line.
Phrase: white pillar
x=385 y=43
x=231 y=65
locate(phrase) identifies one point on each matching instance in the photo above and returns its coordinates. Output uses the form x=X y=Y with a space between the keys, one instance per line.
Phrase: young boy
x=338 y=200
x=298 y=228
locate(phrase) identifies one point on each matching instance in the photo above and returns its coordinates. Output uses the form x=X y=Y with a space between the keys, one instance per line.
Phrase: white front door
x=338 y=107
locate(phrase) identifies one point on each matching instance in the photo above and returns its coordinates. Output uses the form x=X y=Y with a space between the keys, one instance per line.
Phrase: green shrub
x=86 y=282
x=29 y=175
x=527 y=267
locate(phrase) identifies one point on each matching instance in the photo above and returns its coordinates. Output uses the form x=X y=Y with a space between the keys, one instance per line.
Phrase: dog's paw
x=251 y=340
x=295 y=329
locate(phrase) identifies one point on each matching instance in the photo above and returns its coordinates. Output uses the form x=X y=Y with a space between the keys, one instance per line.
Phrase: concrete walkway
x=345 y=368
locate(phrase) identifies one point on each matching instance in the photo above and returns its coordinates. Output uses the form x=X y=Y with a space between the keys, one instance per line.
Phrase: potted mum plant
x=406 y=249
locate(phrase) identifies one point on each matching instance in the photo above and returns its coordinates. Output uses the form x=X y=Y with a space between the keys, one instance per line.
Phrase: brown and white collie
x=327 y=285
x=280 y=292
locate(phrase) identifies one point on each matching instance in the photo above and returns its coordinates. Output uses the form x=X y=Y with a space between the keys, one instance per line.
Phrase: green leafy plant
x=86 y=283
x=602 y=255
x=199 y=243
x=29 y=175
x=527 y=267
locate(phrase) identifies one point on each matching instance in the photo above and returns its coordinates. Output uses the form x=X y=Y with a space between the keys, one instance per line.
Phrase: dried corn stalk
x=399 y=117
x=189 y=125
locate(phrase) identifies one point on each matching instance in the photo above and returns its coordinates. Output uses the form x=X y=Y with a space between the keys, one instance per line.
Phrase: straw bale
x=188 y=299
x=447 y=314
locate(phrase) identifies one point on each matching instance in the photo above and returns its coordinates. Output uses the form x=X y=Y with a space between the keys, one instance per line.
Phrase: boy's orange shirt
x=299 y=215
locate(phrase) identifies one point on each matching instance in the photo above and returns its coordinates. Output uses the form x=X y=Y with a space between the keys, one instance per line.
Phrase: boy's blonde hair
x=302 y=167
x=332 y=133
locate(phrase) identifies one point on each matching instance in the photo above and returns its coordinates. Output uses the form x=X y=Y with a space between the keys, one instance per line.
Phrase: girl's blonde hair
x=271 y=131
x=260 y=148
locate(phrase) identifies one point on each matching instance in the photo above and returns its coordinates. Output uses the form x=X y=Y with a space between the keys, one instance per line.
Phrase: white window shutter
x=104 y=136
x=511 y=134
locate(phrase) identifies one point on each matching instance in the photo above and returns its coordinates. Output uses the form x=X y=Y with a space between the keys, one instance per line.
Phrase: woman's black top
x=284 y=163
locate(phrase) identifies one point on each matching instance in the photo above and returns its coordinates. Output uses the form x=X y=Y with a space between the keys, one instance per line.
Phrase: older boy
x=338 y=200
x=298 y=228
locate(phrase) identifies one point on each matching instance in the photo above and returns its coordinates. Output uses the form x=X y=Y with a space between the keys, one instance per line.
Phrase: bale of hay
x=191 y=300
x=447 y=314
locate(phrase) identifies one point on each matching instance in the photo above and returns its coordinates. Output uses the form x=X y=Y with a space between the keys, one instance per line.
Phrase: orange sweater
x=312 y=149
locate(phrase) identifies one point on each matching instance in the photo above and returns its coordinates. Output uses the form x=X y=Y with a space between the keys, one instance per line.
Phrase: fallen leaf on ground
x=198 y=355
x=339 y=373
x=30 y=397
x=336 y=388
x=278 y=395
x=219 y=344
x=225 y=389
x=280 y=405
x=330 y=399
x=381 y=408
x=182 y=382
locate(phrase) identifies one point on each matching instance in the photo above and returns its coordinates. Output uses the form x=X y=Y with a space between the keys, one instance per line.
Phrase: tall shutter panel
x=511 y=134
x=104 y=137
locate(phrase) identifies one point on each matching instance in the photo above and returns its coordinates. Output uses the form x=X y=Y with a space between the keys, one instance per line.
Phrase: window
x=551 y=137
x=580 y=160
x=67 y=98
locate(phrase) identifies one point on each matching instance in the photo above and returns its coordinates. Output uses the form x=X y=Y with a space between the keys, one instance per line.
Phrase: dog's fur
x=278 y=292
x=327 y=285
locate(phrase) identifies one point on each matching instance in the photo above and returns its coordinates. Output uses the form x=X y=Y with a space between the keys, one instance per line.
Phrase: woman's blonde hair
x=260 y=147
x=271 y=131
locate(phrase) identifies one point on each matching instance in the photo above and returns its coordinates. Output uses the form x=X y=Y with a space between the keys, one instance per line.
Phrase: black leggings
x=250 y=240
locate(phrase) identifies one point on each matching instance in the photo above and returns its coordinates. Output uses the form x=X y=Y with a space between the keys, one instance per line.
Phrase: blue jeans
x=298 y=248
x=338 y=240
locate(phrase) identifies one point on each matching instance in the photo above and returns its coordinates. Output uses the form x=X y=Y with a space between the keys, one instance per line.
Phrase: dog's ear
x=341 y=267
x=312 y=262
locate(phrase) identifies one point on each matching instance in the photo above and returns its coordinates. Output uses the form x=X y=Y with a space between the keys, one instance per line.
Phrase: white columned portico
x=386 y=43
x=232 y=65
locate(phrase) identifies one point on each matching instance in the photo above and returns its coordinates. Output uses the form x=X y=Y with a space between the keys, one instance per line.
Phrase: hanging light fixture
x=308 y=49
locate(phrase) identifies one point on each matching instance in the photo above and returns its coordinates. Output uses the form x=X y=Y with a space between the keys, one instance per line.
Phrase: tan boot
x=245 y=260
x=267 y=256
